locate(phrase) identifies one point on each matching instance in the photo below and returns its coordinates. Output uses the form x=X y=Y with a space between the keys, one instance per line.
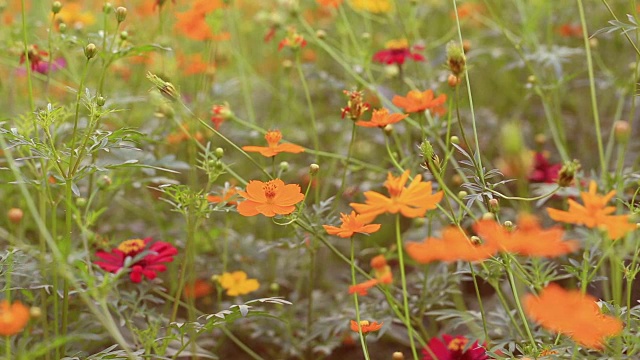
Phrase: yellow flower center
x=273 y=137
x=132 y=246
x=396 y=44
x=364 y=323
x=457 y=344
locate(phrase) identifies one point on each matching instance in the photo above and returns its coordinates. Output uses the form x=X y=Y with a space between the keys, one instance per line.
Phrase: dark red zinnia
x=454 y=348
x=157 y=254
x=396 y=52
x=543 y=171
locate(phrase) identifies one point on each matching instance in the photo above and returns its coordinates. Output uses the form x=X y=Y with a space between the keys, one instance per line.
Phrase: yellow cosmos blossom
x=236 y=283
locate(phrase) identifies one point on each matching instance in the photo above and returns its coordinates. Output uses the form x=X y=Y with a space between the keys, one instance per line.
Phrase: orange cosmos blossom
x=595 y=213
x=270 y=198
x=381 y=118
x=273 y=138
x=528 y=238
x=383 y=276
x=13 y=318
x=351 y=224
x=366 y=326
x=412 y=201
x=329 y=3
x=572 y=313
x=453 y=245
x=420 y=101
x=192 y=23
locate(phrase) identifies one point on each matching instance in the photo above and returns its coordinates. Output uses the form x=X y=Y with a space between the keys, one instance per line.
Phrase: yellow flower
x=373 y=6
x=72 y=15
x=236 y=283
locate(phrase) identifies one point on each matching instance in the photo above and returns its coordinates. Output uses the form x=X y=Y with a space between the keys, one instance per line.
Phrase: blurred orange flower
x=351 y=224
x=420 y=101
x=329 y=3
x=192 y=23
x=594 y=213
x=13 y=317
x=412 y=201
x=383 y=276
x=572 y=313
x=273 y=138
x=236 y=283
x=453 y=246
x=528 y=238
x=226 y=196
x=381 y=118
x=193 y=64
x=72 y=15
x=198 y=289
x=270 y=198
x=366 y=326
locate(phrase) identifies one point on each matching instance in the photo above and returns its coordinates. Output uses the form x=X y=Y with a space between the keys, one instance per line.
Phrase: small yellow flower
x=236 y=283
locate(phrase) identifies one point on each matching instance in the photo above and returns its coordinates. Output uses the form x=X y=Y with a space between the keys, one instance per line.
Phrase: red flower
x=150 y=265
x=543 y=171
x=452 y=348
x=396 y=52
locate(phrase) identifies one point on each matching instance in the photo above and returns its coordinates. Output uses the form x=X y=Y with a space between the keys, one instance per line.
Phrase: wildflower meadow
x=319 y=179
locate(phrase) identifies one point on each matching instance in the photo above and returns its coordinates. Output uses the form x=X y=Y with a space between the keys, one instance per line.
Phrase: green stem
x=28 y=62
x=405 y=297
x=363 y=342
x=514 y=290
x=77 y=115
x=346 y=168
x=307 y=95
x=480 y=304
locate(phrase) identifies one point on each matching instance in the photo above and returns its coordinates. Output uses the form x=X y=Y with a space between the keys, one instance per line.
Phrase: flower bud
x=107 y=8
x=488 y=216
x=397 y=356
x=321 y=34
x=365 y=36
x=124 y=35
x=540 y=139
x=494 y=205
x=462 y=194
x=531 y=79
x=56 y=7
x=15 y=215
x=313 y=169
x=284 y=166
x=466 y=46
x=275 y=287
x=100 y=101
x=219 y=153
x=456 y=61
x=388 y=129
x=453 y=80
x=432 y=161
x=287 y=64
x=622 y=131
x=104 y=182
x=475 y=240
x=35 y=312
x=455 y=140
x=121 y=13
x=568 y=172
x=508 y=225
x=166 y=88
x=81 y=202
x=90 y=51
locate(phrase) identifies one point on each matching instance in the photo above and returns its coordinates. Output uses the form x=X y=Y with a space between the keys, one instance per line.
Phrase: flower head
x=383 y=275
x=329 y=3
x=453 y=245
x=366 y=326
x=192 y=23
x=228 y=197
x=412 y=201
x=72 y=15
x=273 y=138
x=396 y=52
x=157 y=254
x=373 y=6
x=527 y=239
x=236 y=283
x=381 y=118
x=416 y=101
x=220 y=113
x=594 y=213
x=198 y=289
x=270 y=198
x=572 y=313
x=351 y=224
x=293 y=40
x=453 y=347
x=543 y=171
x=13 y=317
x=356 y=106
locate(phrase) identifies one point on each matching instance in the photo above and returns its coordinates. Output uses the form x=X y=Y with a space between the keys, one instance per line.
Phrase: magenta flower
x=454 y=348
x=543 y=171
x=157 y=254
x=396 y=52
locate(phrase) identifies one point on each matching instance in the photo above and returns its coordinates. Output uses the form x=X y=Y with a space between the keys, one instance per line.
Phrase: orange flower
x=420 y=101
x=194 y=64
x=381 y=118
x=366 y=326
x=572 y=313
x=595 y=213
x=455 y=245
x=363 y=288
x=383 y=276
x=13 y=317
x=227 y=195
x=273 y=138
x=527 y=239
x=200 y=288
x=193 y=24
x=329 y=3
x=351 y=224
x=270 y=198
x=412 y=201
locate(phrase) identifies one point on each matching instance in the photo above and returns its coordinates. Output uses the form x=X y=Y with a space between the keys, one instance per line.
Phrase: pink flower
x=396 y=52
x=157 y=254
x=543 y=171
x=453 y=348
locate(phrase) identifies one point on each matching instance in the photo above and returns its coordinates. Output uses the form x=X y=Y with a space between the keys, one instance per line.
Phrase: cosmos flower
x=366 y=326
x=453 y=348
x=572 y=313
x=417 y=101
x=13 y=318
x=157 y=254
x=396 y=52
x=269 y=199
x=453 y=245
x=594 y=213
x=381 y=118
x=351 y=224
x=543 y=171
x=198 y=289
x=237 y=283
x=273 y=138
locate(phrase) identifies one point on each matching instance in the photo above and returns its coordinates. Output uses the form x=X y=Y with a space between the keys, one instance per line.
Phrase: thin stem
x=27 y=61
x=405 y=297
x=307 y=95
x=592 y=88
x=480 y=304
x=514 y=290
x=363 y=342
x=77 y=115
x=346 y=167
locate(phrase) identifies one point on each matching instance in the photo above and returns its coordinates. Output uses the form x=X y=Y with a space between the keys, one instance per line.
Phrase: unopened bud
x=455 y=140
x=107 y=8
x=121 y=13
x=494 y=205
x=397 y=356
x=100 y=101
x=622 y=131
x=475 y=240
x=531 y=79
x=313 y=169
x=388 y=129
x=540 y=139
x=593 y=43
x=275 y=287
x=104 y=182
x=321 y=34
x=219 y=153
x=81 y=202
x=124 y=35
x=287 y=64
x=466 y=46
x=462 y=194
x=365 y=36
x=56 y=7
x=90 y=51
x=166 y=88
x=456 y=61
x=284 y=166
x=508 y=225
x=568 y=172
x=35 y=312
x=488 y=216
x=15 y=215
x=453 y=80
